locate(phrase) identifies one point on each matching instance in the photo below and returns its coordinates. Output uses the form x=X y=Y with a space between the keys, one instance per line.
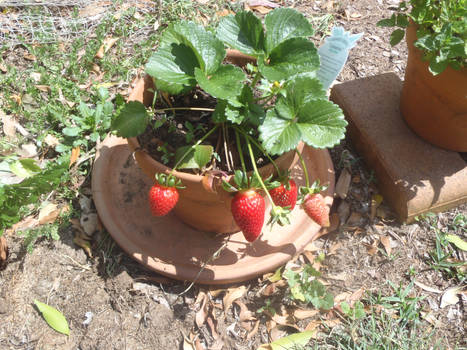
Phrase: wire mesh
x=36 y=21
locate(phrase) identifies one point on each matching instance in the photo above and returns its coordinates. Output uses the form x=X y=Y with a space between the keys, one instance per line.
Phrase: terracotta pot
x=435 y=107
x=199 y=207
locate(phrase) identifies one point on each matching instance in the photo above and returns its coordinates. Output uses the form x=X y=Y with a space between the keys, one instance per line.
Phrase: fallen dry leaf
x=266 y=3
x=301 y=314
x=450 y=296
x=16 y=98
x=215 y=292
x=74 y=155
x=43 y=88
x=202 y=313
x=232 y=295
x=343 y=184
x=224 y=13
x=427 y=288
x=212 y=327
x=372 y=249
x=51 y=140
x=27 y=223
x=386 y=242
x=3 y=68
x=311 y=247
x=188 y=344
x=245 y=314
x=3 y=251
x=333 y=226
x=309 y=256
x=30 y=57
x=313 y=325
x=106 y=45
x=332 y=323
x=253 y=331
x=9 y=128
x=357 y=295
x=35 y=76
x=81 y=242
x=48 y=214
x=261 y=9
x=333 y=249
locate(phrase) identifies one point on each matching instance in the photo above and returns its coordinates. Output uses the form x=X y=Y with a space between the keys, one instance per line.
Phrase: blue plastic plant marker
x=333 y=54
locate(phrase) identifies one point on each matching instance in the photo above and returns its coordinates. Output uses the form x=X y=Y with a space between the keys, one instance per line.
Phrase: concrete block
x=413 y=176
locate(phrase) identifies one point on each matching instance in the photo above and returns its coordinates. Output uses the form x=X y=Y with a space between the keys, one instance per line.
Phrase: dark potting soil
x=173 y=129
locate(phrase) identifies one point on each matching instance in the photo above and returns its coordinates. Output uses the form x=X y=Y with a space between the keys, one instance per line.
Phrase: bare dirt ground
x=111 y=302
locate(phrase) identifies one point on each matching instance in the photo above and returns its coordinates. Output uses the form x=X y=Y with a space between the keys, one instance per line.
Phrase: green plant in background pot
x=433 y=99
x=222 y=128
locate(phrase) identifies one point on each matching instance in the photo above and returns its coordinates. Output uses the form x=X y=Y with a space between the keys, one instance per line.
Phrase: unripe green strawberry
x=162 y=199
x=248 y=209
x=316 y=208
x=285 y=196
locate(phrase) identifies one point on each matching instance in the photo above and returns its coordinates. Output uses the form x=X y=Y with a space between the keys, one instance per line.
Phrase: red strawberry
x=162 y=199
x=316 y=209
x=285 y=196
x=248 y=210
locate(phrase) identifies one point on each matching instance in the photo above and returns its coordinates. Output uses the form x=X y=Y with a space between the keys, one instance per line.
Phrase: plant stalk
x=252 y=157
x=239 y=148
x=184 y=109
x=302 y=161
x=256 y=79
x=258 y=145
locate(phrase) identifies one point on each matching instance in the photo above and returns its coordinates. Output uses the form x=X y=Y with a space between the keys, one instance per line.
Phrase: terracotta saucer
x=170 y=247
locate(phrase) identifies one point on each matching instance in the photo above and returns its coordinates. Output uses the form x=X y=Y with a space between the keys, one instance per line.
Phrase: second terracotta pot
x=434 y=106
x=198 y=207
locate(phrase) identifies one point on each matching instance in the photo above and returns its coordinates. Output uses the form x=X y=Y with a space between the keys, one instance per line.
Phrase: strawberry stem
x=240 y=153
x=193 y=146
x=255 y=79
x=258 y=145
x=184 y=109
x=302 y=161
x=252 y=157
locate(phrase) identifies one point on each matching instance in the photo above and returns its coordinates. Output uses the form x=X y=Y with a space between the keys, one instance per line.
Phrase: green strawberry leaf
x=319 y=123
x=195 y=157
x=208 y=49
x=283 y=24
x=243 y=32
x=132 y=120
x=53 y=317
x=296 y=55
x=173 y=68
x=303 y=88
x=225 y=83
x=71 y=131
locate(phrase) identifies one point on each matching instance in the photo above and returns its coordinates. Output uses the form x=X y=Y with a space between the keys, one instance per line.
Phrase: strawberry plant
x=216 y=117
x=441 y=30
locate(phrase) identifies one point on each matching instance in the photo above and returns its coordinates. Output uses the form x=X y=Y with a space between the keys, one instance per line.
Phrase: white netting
x=37 y=21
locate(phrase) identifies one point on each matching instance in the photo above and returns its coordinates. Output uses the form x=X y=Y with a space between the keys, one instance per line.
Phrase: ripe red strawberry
x=162 y=199
x=248 y=210
x=316 y=209
x=285 y=196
